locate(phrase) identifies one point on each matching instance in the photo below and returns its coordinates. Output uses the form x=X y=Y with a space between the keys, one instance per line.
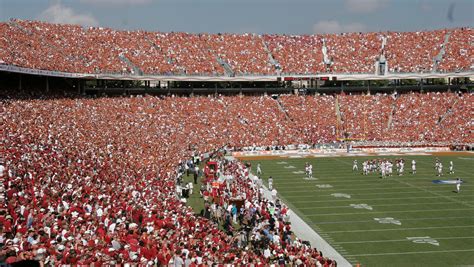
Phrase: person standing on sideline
x=259 y=170
x=274 y=195
x=196 y=173
x=186 y=167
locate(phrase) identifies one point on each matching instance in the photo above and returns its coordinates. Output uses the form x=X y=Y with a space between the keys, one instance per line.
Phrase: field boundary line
x=310 y=231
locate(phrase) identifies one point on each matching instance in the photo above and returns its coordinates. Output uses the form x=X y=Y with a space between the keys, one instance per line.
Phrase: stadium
x=149 y=148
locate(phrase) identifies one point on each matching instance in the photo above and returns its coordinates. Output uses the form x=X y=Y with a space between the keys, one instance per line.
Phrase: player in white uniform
x=451 y=167
x=270 y=183
x=310 y=171
x=437 y=163
x=354 y=166
x=383 y=169
x=458 y=185
x=365 y=167
x=440 y=169
x=413 y=167
x=402 y=167
x=259 y=169
x=390 y=168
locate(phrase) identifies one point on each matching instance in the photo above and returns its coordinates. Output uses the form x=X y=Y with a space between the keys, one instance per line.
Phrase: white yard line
x=436 y=194
x=302 y=183
x=374 y=180
x=448 y=175
x=303 y=230
x=404 y=220
x=411 y=252
x=359 y=189
x=319 y=190
x=359 y=199
x=383 y=205
x=403 y=240
x=381 y=212
x=400 y=229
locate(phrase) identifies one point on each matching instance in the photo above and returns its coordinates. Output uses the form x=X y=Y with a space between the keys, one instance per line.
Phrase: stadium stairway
x=272 y=60
x=227 y=68
x=447 y=113
x=169 y=58
x=130 y=64
x=324 y=50
x=338 y=115
x=390 y=117
x=282 y=108
x=15 y=24
x=441 y=53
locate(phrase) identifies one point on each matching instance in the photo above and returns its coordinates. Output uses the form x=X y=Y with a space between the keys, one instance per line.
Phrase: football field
x=397 y=221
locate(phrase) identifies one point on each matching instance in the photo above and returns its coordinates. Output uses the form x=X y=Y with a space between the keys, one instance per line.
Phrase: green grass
x=423 y=208
x=195 y=200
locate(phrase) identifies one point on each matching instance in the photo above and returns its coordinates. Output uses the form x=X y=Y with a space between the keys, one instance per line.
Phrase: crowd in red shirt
x=93 y=180
x=75 y=49
x=414 y=51
x=459 y=53
x=414 y=117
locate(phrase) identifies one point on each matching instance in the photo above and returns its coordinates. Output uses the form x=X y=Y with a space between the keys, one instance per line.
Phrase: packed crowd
x=263 y=222
x=93 y=180
x=72 y=48
x=353 y=52
x=300 y=54
x=243 y=52
x=314 y=117
x=414 y=117
x=459 y=51
x=365 y=117
x=413 y=51
x=433 y=117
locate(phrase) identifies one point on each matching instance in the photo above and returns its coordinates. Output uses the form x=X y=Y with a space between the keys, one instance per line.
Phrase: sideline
x=305 y=232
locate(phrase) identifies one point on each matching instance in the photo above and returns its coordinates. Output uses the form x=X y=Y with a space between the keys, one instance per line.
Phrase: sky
x=256 y=16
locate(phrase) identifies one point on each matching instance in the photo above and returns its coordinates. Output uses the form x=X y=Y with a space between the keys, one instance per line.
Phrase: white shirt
x=267 y=253
x=99 y=212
